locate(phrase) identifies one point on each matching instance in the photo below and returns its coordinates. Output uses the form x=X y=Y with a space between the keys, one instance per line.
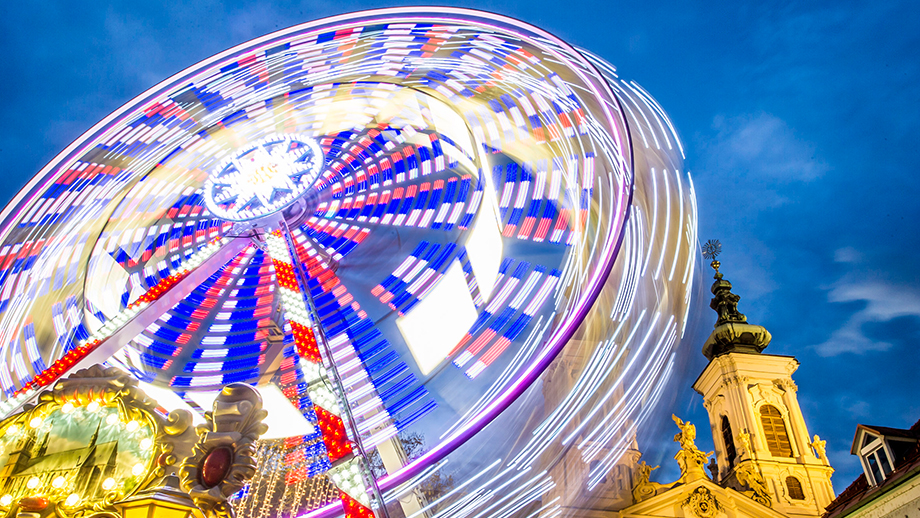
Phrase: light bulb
x=133 y=426
x=72 y=500
x=36 y=422
x=58 y=482
x=146 y=444
x=67 y=408
x=12 y=430
x=33 y=483
x=93 y=407
x=6 y=500
x=138 y=470
x=108 y=484
x=112 y=419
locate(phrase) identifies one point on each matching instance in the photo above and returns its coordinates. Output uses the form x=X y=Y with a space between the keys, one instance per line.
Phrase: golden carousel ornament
x=224 y=457
x=91 y=442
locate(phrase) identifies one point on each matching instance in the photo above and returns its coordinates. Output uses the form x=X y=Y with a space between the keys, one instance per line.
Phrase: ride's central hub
x=263 y=178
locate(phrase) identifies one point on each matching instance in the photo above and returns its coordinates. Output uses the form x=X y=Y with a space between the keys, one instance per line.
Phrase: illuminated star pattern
x=263 y=178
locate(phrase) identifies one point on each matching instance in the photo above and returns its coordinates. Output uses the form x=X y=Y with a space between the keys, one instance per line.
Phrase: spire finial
x=725 y=302
x=711 y=250
x=732 y=332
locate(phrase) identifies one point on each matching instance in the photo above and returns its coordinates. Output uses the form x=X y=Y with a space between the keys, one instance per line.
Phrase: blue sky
x=800 y=124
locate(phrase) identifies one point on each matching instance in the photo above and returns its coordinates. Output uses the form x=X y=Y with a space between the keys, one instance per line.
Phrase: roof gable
x=674 y=502
x=867 y=433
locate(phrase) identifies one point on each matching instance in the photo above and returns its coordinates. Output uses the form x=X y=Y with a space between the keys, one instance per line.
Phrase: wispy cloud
x=755 y=162
x=763 y=145
x=847 y=254
x=883 y=303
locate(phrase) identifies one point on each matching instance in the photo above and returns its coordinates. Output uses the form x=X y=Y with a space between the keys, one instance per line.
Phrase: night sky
x=800 y=123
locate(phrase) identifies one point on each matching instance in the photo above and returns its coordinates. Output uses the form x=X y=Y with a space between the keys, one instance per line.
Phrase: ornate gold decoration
x=93 y=398
x=229 y=437
x=703 y=503
x=691 y=460
x=749 y=476
x=785 y=384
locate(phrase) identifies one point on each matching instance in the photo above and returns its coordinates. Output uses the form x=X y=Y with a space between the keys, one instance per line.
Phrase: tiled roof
x=892 y=432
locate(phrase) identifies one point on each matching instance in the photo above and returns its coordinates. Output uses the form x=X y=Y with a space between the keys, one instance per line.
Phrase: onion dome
x=732 y=333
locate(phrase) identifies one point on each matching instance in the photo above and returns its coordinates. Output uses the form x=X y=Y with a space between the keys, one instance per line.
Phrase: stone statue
x=752 y=478
x=820 y=447
x=687 y=435
x=691 y=460
x=744 y=439
x=644 y=489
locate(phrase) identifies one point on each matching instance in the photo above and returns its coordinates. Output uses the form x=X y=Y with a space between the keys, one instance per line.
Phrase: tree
x=433 y=487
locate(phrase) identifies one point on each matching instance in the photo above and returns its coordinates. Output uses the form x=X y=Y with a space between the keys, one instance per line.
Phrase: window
x=795 y=488
x=874 y=471
x=774 y=429
x=728 y=440
x=876 y=462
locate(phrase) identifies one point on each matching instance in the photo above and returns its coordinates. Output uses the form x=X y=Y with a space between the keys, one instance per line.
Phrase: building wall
x=901 y=502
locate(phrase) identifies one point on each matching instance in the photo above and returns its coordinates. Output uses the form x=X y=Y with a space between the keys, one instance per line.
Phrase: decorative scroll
x=751 y=477
x=224 y=456
x=703 y=504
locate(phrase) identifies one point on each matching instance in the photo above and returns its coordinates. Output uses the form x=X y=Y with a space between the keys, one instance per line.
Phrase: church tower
x=757 y=425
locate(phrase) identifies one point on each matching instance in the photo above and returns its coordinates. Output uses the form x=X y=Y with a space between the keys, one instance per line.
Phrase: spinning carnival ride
x=396 y=222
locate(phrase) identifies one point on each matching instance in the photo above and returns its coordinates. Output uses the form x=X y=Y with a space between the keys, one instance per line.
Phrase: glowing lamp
x=167 y=501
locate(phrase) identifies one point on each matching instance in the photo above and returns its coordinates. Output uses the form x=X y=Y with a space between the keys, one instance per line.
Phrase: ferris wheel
x=395 y=221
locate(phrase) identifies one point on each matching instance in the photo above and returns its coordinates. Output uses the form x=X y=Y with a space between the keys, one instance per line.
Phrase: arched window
x=795 y=488
x=774 y=429
x=728 y=440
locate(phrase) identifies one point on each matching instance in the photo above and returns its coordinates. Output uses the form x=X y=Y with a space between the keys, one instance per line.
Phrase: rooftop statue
x=691 y=460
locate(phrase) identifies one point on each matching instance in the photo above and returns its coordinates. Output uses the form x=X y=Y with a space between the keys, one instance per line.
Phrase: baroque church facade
x=85 y=467
x=765 y=464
